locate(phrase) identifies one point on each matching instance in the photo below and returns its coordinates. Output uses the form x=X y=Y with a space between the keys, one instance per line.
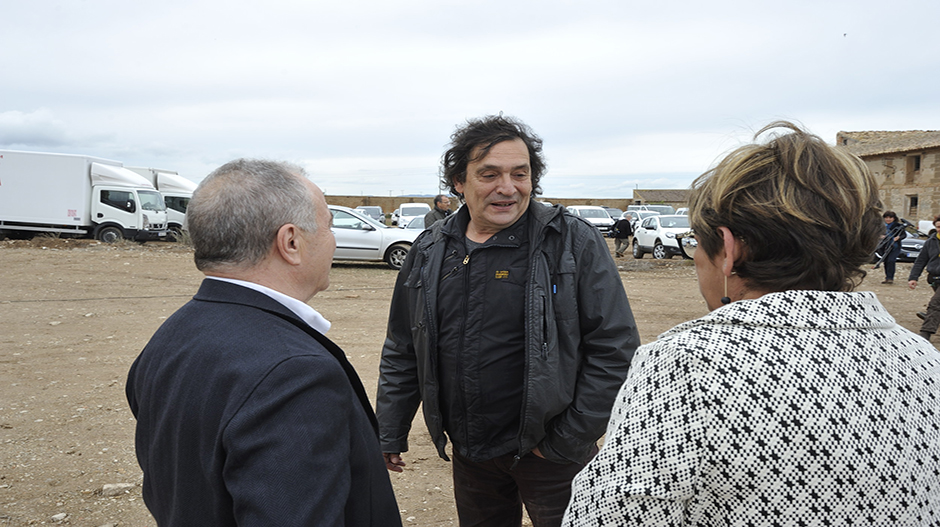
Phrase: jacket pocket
x=564 y=288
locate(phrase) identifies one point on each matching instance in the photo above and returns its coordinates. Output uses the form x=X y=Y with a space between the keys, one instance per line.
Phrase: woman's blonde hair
x=807 y=212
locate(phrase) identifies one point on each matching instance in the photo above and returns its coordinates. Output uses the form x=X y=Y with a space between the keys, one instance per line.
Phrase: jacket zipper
x=454 y=270
x=459 y=372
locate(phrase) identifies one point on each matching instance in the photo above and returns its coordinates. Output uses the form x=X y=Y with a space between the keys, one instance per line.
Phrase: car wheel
x=110 y=235
x=395 y=257
x=659 y=251
x=637 y=252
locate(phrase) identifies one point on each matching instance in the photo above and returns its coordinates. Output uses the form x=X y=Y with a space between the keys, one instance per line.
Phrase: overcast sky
x=365 y=94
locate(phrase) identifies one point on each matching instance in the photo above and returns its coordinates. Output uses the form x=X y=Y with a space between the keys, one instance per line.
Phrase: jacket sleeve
x=928 y=258
x=399 y=392
x=608 y=340
x=919 y=263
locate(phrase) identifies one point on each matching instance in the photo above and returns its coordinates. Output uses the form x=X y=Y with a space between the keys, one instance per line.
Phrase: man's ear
x=288 y=242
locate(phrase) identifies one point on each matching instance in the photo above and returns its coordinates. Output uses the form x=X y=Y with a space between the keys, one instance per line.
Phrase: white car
x=637 y=216
x=657 y=235
x=359 y=237
x=408 y=211
x=596 y=215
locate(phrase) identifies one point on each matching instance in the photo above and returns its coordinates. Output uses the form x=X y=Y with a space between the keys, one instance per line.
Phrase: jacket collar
x=540 y=217
x=228 y=293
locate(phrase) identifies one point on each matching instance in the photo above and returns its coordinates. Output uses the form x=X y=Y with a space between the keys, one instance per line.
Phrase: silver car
x=359 y=237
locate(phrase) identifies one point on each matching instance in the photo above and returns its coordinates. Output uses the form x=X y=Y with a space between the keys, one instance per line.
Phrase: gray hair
x=236 y=211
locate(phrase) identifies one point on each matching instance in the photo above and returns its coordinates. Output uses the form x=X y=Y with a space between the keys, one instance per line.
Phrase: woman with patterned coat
x=795 y=401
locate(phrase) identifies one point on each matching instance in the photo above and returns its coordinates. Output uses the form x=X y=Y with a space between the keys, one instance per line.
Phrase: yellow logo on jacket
x=502 y=274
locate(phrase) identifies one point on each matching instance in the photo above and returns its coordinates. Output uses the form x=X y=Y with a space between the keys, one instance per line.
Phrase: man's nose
x=504 y=185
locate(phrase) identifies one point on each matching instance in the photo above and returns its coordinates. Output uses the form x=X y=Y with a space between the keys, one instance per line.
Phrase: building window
x=912 y=207
x=913 y=168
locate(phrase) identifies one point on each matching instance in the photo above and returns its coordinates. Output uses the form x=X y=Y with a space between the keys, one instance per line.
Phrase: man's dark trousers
x=490 y=493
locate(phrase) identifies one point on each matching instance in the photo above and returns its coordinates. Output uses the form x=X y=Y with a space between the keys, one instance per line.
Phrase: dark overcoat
x=248 y=416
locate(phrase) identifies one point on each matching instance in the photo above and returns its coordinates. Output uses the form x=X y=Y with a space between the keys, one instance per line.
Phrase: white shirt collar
x=302 y=310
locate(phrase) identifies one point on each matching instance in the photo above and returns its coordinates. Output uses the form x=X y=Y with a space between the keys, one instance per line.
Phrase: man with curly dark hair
x=509 y=323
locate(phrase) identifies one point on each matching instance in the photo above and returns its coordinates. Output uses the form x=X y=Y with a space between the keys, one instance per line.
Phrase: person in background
x=622 y=232
x=440 y=211
x=795 y=401
x=894 y=230
x=929 y=259
x=246 y=413
x=510 y=326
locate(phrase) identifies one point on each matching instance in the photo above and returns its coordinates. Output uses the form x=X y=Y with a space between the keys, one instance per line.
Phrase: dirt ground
x=74 y=314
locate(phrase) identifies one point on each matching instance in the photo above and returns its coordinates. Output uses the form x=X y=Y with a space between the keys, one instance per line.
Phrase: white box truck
x=76 y=195
x=176 y=191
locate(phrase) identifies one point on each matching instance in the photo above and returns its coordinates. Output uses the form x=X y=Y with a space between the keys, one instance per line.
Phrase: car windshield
x=674 y=222
x=151 y=200
x=417 y=223
x=348 y=219
x=594 y=213
x=414 y=211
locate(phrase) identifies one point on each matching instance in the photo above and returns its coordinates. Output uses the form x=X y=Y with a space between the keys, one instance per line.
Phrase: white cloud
x=366 y=93
x=38 y=128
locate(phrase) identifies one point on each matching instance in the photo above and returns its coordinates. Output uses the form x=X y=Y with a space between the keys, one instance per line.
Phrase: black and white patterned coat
x=799 y=408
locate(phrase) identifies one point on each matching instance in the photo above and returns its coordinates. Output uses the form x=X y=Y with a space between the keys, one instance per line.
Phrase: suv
x=657 y=235
x=373 y=212
x=595 y=215
x=636 y=216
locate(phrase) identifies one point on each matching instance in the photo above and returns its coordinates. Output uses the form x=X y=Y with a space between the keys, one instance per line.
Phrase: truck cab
x=128 y=213
x=176 y=191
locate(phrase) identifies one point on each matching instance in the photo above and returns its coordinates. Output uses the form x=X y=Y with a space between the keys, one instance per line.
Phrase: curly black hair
x=483 y=134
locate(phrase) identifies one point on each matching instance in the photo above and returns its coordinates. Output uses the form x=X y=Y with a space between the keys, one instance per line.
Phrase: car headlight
x=670 y=235
x=146 y=222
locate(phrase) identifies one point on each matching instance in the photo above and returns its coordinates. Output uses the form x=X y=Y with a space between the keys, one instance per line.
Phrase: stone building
x=678 y=198
x=906 y=166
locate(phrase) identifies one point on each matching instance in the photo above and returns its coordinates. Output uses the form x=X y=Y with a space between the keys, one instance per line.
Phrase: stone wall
x=899 y=181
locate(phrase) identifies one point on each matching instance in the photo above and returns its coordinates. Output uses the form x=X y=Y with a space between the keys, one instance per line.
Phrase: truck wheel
x=637 y=252
x=174 y=233
x=395 y=257
x=110 y=235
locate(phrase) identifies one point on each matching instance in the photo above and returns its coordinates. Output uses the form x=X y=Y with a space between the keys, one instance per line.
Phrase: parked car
x=636 y=216
x=657 y=235
x=359 y=237
x=910 y=246
x=596 y=215
x=373 y=212
x=613 y=212
x=408 y=211
x=684 y=211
